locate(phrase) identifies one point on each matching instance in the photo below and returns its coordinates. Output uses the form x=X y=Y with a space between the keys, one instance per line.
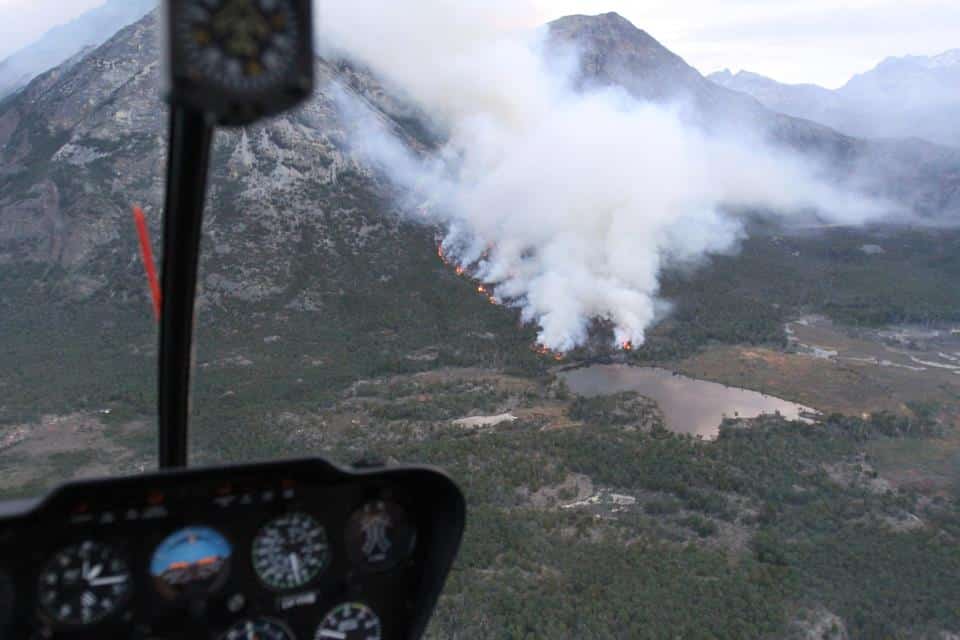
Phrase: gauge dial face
x=290 y=551
x=84 y=583
x=191 y=560
x=257 y=630
x=239 y=45
x=350 y=621
x=380 y=536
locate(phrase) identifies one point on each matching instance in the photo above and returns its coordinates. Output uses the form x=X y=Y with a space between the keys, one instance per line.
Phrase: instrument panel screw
x=236 y=603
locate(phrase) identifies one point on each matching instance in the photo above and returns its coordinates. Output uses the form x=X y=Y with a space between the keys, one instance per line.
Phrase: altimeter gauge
x=84 y=583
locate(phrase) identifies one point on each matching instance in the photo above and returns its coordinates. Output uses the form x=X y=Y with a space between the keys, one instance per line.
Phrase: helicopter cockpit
x=288 y=550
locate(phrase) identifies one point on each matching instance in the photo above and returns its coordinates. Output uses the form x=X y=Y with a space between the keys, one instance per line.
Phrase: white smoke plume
x=567 y=204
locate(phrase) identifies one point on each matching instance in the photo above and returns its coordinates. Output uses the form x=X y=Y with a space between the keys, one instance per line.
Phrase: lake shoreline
x=690 y=405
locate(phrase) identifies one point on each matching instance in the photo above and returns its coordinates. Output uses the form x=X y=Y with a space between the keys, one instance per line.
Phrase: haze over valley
x=909 y=96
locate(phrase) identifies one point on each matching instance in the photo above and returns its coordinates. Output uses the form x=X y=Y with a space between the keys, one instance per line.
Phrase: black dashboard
x=300 y=550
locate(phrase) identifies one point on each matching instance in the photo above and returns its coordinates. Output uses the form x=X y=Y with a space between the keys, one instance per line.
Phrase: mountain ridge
x=63 y=42
x=328 y=325
x=907 y=96
x=88 y=137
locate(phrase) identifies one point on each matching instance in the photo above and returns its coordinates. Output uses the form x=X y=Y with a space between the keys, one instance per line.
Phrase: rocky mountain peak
x=611 y=22
x=613 y=50
x=84 y=141
x=81 y=144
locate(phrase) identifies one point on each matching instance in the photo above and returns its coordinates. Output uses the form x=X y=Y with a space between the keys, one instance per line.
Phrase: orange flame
x=627 y=346
x=547 y=351
x=461 y=271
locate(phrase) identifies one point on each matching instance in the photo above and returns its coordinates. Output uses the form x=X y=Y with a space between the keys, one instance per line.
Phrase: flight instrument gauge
x=257 y=630
x=193 y=560
x=240 y=59
x=350 y=621
x=290 y=551
x=380 y=536
x=240 y=45
x=84 y=583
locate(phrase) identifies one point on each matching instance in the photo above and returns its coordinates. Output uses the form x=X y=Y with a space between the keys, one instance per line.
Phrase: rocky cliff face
x=311 y=277
x=85 y=141
x=82 y=144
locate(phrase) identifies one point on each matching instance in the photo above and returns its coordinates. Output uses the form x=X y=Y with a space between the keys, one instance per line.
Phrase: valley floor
x=588 y=518
x=858 y=372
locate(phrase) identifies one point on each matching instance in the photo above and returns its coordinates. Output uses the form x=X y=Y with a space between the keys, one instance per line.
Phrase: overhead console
x=298 y=550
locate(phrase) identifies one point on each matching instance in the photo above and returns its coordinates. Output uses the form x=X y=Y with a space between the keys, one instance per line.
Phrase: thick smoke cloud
x=567 y=204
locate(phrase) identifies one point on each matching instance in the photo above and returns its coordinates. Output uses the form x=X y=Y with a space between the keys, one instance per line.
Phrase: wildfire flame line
x=548 y=352
x=484 y=291
x=461 y=271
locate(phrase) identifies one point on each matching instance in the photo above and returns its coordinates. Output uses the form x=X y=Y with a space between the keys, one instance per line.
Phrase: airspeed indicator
x=289 y=552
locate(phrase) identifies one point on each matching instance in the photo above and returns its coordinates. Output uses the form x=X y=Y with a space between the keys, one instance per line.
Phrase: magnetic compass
x=240 y=59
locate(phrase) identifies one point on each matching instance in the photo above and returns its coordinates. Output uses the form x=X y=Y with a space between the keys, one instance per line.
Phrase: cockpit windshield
x=669 y=291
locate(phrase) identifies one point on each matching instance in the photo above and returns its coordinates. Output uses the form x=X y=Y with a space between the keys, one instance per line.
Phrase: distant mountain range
x=911 y=96
x=83 y=141
x=62 y=43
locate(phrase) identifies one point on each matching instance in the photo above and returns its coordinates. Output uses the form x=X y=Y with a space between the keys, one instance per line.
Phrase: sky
x=824 y=42
x=23 y=21
x=819 y=41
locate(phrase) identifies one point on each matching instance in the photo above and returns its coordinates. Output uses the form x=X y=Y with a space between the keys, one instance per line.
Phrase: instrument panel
x=300 y=550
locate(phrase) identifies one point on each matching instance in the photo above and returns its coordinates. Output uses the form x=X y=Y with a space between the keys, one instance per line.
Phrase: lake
x=690 y=406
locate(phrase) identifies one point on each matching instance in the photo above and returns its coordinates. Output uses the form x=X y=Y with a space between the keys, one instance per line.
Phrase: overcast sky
x=23 y=21
x=820 y=41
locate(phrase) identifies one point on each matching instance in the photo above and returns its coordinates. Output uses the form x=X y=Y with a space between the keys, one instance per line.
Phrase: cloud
x=568 y=205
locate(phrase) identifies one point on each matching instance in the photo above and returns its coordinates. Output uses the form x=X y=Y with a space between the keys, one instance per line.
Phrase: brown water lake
x=690 y=406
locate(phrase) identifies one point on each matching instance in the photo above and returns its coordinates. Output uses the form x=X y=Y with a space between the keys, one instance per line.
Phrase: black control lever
x=229 y=63
x=191 y=135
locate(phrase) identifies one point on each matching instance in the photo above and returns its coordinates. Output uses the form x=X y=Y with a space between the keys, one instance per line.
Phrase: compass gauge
x=237 y=59
x=239 y=45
